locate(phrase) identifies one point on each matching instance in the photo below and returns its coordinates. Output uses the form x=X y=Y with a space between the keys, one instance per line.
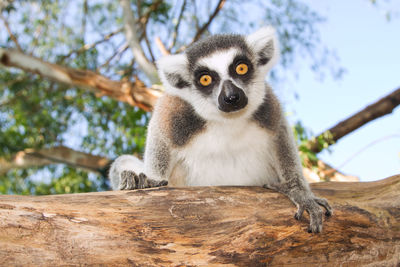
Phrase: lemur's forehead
x=210 y=46
x=219 y=60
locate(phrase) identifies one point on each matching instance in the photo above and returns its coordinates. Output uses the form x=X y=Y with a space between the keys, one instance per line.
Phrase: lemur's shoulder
x=177 y=120
x=269 y=114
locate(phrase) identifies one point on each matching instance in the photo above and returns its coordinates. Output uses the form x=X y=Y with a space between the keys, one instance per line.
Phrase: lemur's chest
x=228 y=154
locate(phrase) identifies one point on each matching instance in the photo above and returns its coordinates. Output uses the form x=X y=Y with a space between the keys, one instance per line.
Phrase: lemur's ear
x=264 y=44
x=173 y=71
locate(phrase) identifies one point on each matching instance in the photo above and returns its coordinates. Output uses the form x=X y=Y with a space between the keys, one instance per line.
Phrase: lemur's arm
x=292 y=182
x=157 y=159
x=128 y=172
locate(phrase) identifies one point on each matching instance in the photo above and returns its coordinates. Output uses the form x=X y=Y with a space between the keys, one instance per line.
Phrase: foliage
x=303 y=137
x=36 y=113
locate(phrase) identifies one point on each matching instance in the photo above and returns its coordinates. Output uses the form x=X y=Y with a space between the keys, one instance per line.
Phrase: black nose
x=231 y=98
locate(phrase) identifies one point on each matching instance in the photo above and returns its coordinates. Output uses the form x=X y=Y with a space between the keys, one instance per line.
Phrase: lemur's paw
x=312 y=206
x=130 y=180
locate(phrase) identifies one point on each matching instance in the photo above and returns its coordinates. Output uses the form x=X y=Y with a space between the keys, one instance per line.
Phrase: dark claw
x=328 y=213
x=163 y=183
x=142 y=181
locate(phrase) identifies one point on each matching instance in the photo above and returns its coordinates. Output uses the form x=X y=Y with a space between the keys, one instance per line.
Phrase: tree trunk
x=208 y=226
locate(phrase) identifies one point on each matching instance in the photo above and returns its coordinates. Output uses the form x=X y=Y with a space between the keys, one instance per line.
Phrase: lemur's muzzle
x=231 y=98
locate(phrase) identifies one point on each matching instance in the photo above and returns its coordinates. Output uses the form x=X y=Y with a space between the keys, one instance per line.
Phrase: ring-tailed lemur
x=219 y=123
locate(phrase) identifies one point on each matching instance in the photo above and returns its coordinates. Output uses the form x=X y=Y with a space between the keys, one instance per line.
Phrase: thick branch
x=136 y=94
x=376 y=110
x=201 y=226
x=61 y=154
x=131 y=32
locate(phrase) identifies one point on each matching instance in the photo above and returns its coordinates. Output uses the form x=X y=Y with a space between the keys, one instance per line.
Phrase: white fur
x=257 y=41
x=229 y=154
x=207 y=106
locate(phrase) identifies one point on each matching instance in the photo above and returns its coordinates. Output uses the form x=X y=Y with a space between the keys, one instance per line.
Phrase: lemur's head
x=222 y=76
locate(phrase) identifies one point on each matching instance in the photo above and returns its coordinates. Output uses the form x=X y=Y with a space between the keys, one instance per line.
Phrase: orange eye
x=242 y=69
x=205 y=80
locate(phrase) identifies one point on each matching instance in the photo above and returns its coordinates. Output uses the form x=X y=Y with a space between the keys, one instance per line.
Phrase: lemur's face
x=222 y=75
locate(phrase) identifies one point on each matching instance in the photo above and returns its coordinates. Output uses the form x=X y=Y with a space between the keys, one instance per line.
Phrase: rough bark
x=201 y=226
x=136 y=94
x=376 y=110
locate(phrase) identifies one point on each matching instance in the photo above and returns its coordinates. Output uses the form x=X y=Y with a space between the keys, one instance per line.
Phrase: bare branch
x=210 y=19
x=119 y=51
x=131 y=33
x=12 y=36
x=178 y=23
x=135 y=94
x=205 y=26
x=55 y=155
x=161 y=47
x=145 y=18
x=90 y=46
x=376 y=110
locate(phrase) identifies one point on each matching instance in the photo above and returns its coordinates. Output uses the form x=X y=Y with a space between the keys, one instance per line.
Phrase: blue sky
x=368 y=46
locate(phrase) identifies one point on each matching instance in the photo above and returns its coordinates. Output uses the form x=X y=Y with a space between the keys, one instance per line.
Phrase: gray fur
x=261 y=136
x=294 y=185
x=209 y=45
x=269 y=112
x=130 y=180
x=162 y=157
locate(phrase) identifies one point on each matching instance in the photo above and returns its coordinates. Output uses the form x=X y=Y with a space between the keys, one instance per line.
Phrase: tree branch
x=376 y=110
x=12 y=36
x=135 y=94
x=92 y=45
x=201 y=226
x=205 y=26
x=119 y=51
x=164 y=51
x=178 y=23
x=55 y=155
x=131 y=32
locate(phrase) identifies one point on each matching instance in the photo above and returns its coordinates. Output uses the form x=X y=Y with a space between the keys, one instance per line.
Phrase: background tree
x=80 y=77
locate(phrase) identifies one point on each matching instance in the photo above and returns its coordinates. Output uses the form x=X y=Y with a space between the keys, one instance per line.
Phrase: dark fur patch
x=209 y=45
x=268 y=113
x=177 y=80
x=266 y=54
x=262 y=60
x=185 y=123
